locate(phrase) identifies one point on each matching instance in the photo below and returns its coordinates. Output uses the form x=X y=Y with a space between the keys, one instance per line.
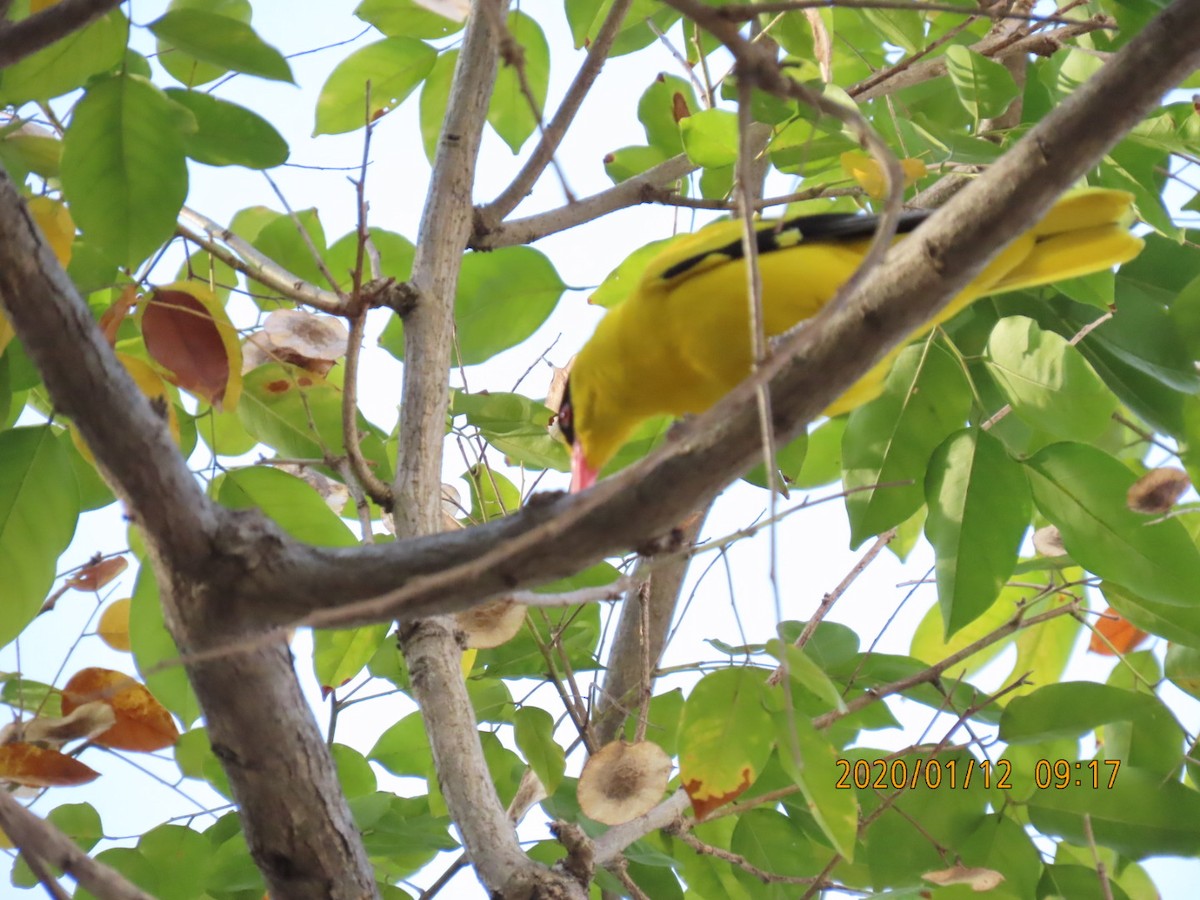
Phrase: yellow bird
x=681 y=340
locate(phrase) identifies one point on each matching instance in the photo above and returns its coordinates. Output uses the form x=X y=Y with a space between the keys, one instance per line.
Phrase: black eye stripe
x=566 y=415
x=824 y=227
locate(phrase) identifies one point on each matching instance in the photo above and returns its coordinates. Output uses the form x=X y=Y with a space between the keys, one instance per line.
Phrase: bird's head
x=594 y=426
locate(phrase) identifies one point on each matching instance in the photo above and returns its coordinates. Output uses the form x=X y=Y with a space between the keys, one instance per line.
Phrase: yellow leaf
x=149 y=383
x=114 y=625
x=6 y=332
x=869 y=174
x=467 y=662
x=58 y=228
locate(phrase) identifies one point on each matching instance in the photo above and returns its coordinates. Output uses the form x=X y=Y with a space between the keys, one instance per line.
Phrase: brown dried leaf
x=83 y=723
x=142 y=723
x=491 y=624
x=187 y=333
x=306 y=335
x=623 y=781
x=111 y=319
x=97 y=573
x=38 y=767
x=1157 y=491
x=979 y=879
x=1048 y=541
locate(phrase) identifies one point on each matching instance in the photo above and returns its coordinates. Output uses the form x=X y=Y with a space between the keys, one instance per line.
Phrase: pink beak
x=583 y=475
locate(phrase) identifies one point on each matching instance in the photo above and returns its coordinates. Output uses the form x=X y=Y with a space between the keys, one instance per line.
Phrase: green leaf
x=280 y=406
x=39 y=506
x=809 y=758
x=979 y=509
x=623 y=164
x=534 y=731
x=503 y=297
x=29 y=696
x=725 y=737
x=806 y=674
x=78 y=821
x=181 y=859
x=395 y=257
x=663 y=105
x=68 y=63
x=404 y=748
x=392 y=67
x=888 y=442
x=354 y=772
x=183 y=67
x=624 y=279
x=340 y=655
x=710 y=137
x=124 y=170
x=229 y=135
x=195 y=757
x=493 y=496
x=279 y=238
x=405 y=18
x=903 y=839
x=1179 y=624
x=777 y=844
x=789 y=460
x=1080 y=883
x=222 y=41
x=1140 y=815
x=984 y=87
x=514 y=425
x=823 y=458
x=155 y=652
x=1153 y=740
x=1048 y=382
x=904 y=28
x=1082 y=490
x=291 y=502
x=510 y=111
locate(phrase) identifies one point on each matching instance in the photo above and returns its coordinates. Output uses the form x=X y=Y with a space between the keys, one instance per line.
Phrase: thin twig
x=246 y=259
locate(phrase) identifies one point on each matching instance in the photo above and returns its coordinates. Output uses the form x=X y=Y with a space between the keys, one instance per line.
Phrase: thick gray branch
x=86 y=382
x=430 y=646
x=25 y=38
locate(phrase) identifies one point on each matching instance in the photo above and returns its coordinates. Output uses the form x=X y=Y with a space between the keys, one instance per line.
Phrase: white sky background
x=812 y=546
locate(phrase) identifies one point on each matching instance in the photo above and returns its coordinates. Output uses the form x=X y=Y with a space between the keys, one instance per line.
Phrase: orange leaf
x=35 y=766
x=98 y=573
x=143 y=724
x=112 y=317
x=187 y=333
x=1122 y=636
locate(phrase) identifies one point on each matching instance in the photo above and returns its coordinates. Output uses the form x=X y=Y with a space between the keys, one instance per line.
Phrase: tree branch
x=23 y=39
x=38 y=839
x=430 y=647
x=641 y=188
x=657 y=587
x=493 y=213
x=84 y=378
x=245 y=258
